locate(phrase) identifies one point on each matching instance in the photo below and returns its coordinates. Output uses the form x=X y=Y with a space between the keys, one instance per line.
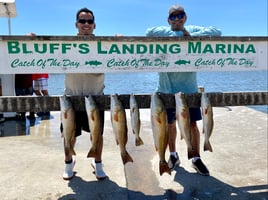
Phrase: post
x=1 y=114
x=201 y=89
x=7 y=85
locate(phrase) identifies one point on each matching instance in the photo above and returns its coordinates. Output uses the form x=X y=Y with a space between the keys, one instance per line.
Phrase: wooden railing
x=51 y=103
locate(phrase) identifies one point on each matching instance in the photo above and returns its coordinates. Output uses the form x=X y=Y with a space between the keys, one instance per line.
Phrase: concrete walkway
x=31 y=162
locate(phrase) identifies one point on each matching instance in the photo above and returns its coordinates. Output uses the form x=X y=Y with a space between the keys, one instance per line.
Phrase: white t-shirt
x=84 y=84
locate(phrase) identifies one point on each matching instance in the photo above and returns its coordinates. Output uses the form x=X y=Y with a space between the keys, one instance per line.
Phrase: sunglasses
x=172 y=17
x=83 y=21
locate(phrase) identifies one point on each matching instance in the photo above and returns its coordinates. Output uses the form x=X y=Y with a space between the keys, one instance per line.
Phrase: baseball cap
x=175 y=7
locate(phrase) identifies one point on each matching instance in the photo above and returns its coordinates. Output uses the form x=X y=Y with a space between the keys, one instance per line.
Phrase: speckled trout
x=119 y=124
x=68 y=122
x=208 y=122
x=95 y=124
x=135 y=119
x=160 y=131
x=183 y=121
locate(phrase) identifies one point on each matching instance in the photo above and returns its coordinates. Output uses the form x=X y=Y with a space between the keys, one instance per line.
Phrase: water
x=145 y=83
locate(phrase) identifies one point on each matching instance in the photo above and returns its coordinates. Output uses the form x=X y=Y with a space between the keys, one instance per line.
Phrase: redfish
x=119 y=124
x=67 y=115
x=135 y=119
x=183 y=121
x=95 y=124
x=160 y=131
x=208 y=122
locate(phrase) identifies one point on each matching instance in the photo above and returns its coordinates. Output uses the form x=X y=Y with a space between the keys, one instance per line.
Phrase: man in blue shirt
x=186 y=82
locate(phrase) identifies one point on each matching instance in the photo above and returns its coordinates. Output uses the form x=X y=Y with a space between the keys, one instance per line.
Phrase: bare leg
x=195 y=136
x=197 y=163
x=69 y=161
x=173 y=160
x=99 y=150
x=98 y=157
x=37 y=92
x=172 y=135
x=68 y=154
x=97 y=164
x=44 y=92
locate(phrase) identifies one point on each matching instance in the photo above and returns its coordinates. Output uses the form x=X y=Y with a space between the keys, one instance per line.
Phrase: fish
x=183 y=121
x=160 y=131
x=119 y=125
x=67 y=115
x=95 y=124
x=182 y=62
x=208 y=122
x=93 y=62
x=135 y=119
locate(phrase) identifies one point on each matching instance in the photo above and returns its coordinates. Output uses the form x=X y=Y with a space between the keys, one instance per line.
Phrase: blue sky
x=133 y=17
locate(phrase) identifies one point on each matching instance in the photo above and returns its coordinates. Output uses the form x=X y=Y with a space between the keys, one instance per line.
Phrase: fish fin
x=126 y=157
x=206 y=111
x=163 y=167
x=72 y=151
x=116 y=118
x=72 y=145
x=181 y=137
x=156 y=149
x=158 y=119
x=92 y=153
x=138 y=141
x=183 y=115
x=92 y=117
x=207 y=146
x=116 y=140
x=65 y=115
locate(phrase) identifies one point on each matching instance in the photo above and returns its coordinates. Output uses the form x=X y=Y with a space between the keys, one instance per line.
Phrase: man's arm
x=203 y=31
x=158 y=31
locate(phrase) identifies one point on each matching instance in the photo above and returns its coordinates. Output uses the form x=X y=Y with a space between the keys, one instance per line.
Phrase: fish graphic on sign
x=182 y=62
x=93 y=62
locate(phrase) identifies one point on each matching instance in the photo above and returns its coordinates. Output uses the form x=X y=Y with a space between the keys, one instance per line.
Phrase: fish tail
x=138 y=141
x=72 y=151
x=116 y=140
x=163 y=167
x=181 y=137
x=92 y=153
x=207 y=146
x=126 y=157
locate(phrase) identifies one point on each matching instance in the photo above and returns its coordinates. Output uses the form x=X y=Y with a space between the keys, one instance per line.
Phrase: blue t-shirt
x=173 y=82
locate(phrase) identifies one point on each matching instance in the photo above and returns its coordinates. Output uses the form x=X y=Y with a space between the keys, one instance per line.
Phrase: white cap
x=175 y=7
